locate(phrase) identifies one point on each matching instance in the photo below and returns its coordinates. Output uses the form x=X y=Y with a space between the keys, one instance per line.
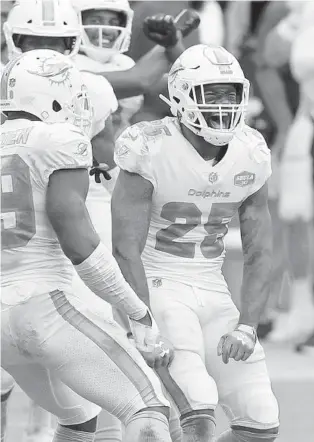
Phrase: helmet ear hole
x=56 y=106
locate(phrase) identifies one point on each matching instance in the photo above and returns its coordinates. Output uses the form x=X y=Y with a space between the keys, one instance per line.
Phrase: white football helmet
x=47 y=18
x=122 y=42
x=46 y=84
x=197 y=67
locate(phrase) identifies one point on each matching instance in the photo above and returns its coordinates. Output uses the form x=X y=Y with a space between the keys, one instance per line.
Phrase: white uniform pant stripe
x=105 y=342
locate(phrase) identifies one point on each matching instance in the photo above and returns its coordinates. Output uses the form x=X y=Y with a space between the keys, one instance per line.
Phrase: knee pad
x=243 y=434
x=147 y=424
x=201 y=423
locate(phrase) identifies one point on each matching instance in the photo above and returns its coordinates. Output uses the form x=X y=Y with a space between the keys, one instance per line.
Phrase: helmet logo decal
x=56 y=70
x=220 y=58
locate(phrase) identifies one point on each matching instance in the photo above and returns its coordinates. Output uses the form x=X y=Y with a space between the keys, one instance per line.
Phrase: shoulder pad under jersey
x=260 y=156
x=60 y=146
x=136 y=147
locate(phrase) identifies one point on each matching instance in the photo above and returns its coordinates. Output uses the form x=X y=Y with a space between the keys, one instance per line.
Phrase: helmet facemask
x=209 y=93
x=219 y=116
x=82 y=111
x=215 y=122
x=101 y=41
x=78 y=111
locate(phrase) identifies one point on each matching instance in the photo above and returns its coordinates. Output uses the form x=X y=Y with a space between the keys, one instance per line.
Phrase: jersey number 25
x=216 y=227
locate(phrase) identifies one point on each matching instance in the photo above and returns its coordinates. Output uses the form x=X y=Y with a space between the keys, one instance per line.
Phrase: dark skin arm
x=131 y=212
x=68 y=215
x=141 y=77
x=66 y=210
x=152 y=66
x=103 y=145
x=256 y=234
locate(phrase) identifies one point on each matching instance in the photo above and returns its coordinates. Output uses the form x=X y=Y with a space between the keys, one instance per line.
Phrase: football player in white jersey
x=181 y=181
x=53 y=24
x=62 y=352
x=106 y=35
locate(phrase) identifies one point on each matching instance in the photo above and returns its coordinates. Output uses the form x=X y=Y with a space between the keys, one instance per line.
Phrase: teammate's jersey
x=102 y=98
x=119 y=62
x=99 y=198
x=193 y=201
x=32 y=259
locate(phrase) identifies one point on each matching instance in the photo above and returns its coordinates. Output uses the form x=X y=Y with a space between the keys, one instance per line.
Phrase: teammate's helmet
x=46 y=84
x=97 y=50
x=198 y=66
x=43 y=18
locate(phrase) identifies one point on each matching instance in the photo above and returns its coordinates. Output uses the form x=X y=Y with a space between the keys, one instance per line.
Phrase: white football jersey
x=193 y=201
x=120 y=62
x=32 y=259
x=101 y=93
x=102 y=98
x=99 y=198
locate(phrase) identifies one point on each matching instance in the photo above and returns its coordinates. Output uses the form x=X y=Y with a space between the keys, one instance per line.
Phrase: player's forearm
x=102 y=275
x=103 y=148
x=142 y=77
x=255 y=286
x=175 y=51
x=256 y=279
x=133 y=271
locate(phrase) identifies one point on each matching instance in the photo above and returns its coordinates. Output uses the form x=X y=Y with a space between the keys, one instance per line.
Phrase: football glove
x=156 y=350
x=100 y=169
x=164 y=30
x=238 y=344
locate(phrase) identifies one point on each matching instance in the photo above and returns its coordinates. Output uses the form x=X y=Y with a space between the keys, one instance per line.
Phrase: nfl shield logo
x=157 y=282
x=212 y=177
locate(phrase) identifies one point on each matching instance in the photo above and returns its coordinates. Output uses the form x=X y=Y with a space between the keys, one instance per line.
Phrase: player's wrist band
x=101 y=273
x=248 y=329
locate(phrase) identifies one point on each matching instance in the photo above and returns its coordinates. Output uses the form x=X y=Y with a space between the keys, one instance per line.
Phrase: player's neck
x=206 y=150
